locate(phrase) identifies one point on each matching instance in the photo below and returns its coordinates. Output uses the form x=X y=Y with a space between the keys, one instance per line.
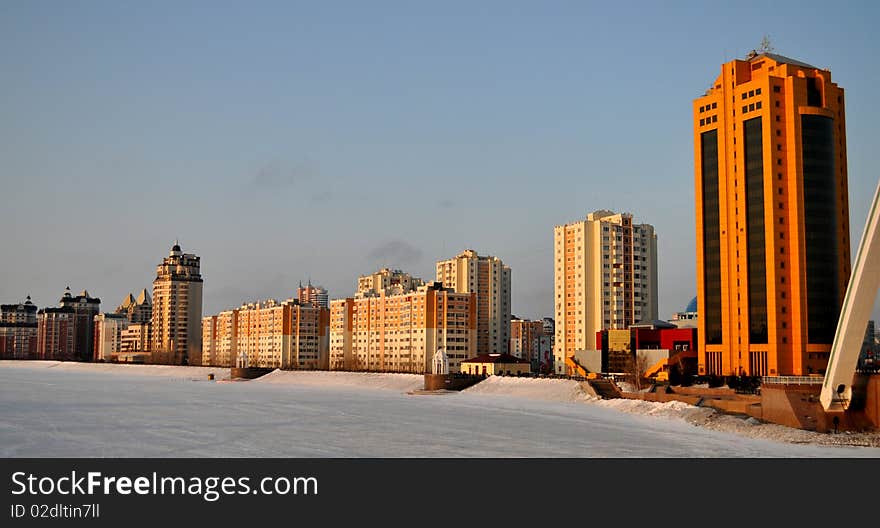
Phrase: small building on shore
x=495 y=365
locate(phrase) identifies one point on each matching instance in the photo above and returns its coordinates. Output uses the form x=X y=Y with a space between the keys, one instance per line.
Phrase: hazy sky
x=282 y=141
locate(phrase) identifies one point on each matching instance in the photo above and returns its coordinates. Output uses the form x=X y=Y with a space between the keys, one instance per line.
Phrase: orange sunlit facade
x=772 y=217
x=272 y=334
x=400 y=332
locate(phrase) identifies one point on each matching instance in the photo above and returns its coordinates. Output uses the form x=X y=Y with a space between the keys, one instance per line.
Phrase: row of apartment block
x=270 y=334
x=399 y=331
x=396 y=322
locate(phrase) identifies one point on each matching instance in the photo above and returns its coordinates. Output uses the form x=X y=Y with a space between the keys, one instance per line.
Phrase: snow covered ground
x=365 y=380
x=161 y=371
x=84 y=410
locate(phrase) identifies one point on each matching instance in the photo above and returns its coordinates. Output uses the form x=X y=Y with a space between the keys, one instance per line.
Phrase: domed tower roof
x=691 y=306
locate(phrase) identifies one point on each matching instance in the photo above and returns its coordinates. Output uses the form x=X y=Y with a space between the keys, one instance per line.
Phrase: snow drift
x=534 y=388
x=334 y=379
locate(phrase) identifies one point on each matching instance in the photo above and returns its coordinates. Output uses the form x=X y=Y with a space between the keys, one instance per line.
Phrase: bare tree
x=636 y=366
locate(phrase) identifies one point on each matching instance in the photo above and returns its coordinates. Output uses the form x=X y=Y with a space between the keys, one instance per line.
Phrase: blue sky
x=284 y=140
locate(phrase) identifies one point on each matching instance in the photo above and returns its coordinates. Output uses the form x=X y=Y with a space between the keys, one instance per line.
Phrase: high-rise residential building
x=394 y=331
x=772 y=217
x=85 y=308
x=18 y=330
x=272 y=334
x=605 y=278
x=177 y=310
x=525 y=338
x=489 y=279
x=108 y=335
x=220 y=339
x=387 y=280
x=137 y=310
x=313 y=294
x=56 y=333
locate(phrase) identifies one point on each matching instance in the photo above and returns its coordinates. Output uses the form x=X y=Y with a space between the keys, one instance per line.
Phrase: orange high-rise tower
x=772 y=217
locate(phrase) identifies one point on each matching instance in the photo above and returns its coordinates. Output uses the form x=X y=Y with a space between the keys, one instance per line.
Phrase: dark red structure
x=654 y=336
x=678 y=339
x=681 y=343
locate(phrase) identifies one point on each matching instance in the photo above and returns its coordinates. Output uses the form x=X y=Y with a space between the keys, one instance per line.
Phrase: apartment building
x=177 y=310
x=108 y=335
x=137 y=310
x=289 y=335
x=489 y=280
x=387 y=280
x=18 y=330
x=393 y=331
x=605 y=278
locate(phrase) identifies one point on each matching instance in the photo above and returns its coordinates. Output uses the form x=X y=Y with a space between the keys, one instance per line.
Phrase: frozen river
x=120 y=412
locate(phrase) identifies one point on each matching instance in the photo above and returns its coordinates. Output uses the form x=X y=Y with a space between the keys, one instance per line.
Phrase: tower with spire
x=177 y=309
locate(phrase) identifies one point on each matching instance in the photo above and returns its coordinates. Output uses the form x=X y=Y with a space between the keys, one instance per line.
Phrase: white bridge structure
x=857 y=305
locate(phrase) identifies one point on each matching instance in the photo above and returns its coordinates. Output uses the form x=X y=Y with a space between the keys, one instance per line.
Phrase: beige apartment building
x=177 y=310
x=395 y=331
x=489 y=279
x=272 y=334
x=387 y=280
x=605 y=278
x=136 y=339
x=108 y=335
x=220 y=338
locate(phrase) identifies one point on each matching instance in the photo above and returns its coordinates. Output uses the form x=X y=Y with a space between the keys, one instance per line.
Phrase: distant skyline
x=288 y=141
